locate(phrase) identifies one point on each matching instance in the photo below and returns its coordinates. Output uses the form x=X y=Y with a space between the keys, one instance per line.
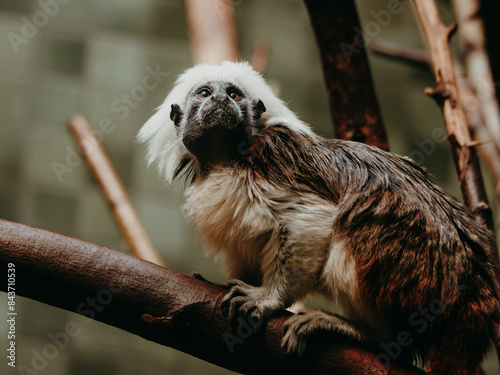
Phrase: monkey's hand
x=302 y=325
x=250 y=303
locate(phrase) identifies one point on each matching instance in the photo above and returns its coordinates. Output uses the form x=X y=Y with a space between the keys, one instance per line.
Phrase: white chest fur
x=228 y=209
x=236 y=215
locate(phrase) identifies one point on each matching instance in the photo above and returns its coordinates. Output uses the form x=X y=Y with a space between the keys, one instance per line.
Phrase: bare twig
x=400 y=52
x=212 y=30
x=353 y=103
x=165 y=306
x=128 y=221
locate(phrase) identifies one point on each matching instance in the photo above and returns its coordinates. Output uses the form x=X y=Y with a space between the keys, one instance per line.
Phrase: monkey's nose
x=219 y=97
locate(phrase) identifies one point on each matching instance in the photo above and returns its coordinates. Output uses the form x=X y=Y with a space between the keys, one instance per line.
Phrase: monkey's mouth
x=216 y=136
x=222 y=117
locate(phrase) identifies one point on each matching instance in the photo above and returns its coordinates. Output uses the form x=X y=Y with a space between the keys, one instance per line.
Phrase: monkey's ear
x=259 y=108
x=176 y=114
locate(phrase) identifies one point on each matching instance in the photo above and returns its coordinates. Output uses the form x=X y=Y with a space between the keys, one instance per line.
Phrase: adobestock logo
x=30 y=27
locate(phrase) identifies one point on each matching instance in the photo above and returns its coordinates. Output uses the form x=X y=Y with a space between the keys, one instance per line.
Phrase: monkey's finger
x=233 y=283
x=233 y=292
x=293 y=344
x=297 y=322
x=237 y=289
x=230 y=306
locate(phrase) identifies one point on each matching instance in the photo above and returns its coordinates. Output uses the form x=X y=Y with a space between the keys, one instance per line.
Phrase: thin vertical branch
x=353 y=103
x=124 y=212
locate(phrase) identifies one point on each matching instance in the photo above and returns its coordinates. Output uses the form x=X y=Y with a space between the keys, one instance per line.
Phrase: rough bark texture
x=67 y=272
x=353 y=104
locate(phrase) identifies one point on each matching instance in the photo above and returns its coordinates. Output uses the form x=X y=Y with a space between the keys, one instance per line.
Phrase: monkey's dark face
x=218 y=122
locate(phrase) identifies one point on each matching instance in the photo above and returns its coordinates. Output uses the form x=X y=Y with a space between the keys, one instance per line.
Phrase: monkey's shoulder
x=352 y=174
x=332 y=168
x=279 y=143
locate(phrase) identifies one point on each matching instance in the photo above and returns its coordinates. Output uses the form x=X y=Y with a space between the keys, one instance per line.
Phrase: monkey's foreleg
x=287 y=276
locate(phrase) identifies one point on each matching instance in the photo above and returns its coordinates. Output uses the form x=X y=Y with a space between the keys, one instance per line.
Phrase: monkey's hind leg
x=302 y=325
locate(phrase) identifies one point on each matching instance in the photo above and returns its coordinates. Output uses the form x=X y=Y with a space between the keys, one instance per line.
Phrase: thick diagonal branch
x=353 y=103
x=164 y=306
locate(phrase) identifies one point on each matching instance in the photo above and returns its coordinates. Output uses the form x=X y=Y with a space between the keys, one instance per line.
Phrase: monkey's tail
x=496 y=340
x=494 y=256
x=496 y=326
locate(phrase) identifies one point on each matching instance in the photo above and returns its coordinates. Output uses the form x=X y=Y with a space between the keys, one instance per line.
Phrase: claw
x=247 y=303
x=299 y=327
x=231 y=301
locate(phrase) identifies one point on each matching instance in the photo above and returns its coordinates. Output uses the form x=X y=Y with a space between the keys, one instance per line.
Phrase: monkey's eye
x=234 y=95
x=205 y=93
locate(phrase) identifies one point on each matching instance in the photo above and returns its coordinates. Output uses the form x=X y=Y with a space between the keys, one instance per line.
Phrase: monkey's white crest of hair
x=166 y=147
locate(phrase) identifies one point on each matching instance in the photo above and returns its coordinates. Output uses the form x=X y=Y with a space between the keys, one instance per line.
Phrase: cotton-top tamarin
x=294 y=214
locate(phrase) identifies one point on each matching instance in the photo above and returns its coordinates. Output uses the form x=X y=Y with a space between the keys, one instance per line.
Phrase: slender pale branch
x=401 y=52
